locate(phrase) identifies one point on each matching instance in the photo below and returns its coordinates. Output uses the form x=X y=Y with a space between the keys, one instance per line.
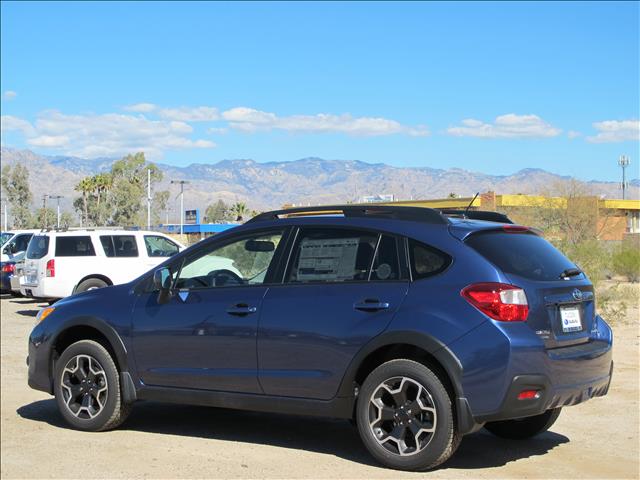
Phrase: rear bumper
x=548 y=397
x=43 y=289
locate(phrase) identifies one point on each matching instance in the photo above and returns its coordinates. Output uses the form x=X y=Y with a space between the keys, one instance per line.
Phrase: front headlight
x=44 y=313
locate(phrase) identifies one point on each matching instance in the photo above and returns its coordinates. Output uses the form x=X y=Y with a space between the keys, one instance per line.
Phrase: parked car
x=16 y=278
x=15 y=245
x=60 y=263
x=7 y=271
x=418 y=325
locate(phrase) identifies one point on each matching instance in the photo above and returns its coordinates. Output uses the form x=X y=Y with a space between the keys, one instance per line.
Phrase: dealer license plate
x=570 y=317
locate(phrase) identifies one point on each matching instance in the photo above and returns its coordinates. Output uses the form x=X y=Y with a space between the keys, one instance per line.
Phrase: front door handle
x=371 y=305
x=241 y=309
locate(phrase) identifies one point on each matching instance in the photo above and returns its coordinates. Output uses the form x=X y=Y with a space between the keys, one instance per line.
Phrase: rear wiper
x=570 y=272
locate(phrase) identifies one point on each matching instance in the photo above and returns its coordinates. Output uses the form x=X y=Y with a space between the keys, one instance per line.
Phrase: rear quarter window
x=426 y=261
x=524 y=254
x=77 y=246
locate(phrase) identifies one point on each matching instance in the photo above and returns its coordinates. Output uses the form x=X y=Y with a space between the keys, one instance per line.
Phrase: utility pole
x=624 y=161
x=44 y=210
x=57 y=198
x=6 y=217
x=148 y=199
x=181 y=183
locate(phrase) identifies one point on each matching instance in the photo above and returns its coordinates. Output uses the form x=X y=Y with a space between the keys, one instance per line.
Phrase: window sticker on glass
x=331 y=259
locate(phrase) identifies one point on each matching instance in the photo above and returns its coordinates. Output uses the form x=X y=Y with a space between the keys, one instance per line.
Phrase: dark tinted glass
x=74 y=247
x=119 y=245
x=38 y=247
x=523 y=254
x=22 y=241
x=326 y=255
x=386 y=265
x=425 y=260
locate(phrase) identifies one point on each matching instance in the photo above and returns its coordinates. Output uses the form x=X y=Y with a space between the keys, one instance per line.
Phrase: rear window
x=524 y=254
x=38 y=247
x=119 y=245
x=80 y=246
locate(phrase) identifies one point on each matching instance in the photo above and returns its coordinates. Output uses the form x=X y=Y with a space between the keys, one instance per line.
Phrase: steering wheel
x=225 y=276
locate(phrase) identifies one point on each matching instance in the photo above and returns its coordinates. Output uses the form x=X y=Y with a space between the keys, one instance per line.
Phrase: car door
x=341 y=288
x=205 y=336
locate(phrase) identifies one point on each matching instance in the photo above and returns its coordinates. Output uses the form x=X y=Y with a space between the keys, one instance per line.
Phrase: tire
x=90 y=284
x=522 y=428
x=103 y=409
x=423 y=451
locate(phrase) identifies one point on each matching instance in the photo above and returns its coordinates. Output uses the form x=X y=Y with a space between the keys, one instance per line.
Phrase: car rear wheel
x=87 y=388
x=405 y=416
x=522 y=428
x=90 y=284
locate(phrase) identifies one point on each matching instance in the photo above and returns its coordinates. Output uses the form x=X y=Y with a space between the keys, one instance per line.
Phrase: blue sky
x=491 y=87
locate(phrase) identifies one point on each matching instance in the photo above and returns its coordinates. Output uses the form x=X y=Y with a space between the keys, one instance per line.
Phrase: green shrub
x=591 y=256
x=626 y=260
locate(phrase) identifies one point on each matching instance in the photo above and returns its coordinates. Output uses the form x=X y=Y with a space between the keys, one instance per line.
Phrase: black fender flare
x=434 y=347
x=101 y=326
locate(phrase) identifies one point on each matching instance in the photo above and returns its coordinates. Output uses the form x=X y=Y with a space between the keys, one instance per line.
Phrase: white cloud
x=616 y=131
x=251 y=120
x=10 y=123
x=9 y=95
x=111 y=134
x=49 y=141
x=571 y=134
x=510 y=125
x=141 y=107
x=190 y=114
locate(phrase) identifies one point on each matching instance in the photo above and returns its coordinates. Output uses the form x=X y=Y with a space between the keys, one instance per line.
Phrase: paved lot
x=598 y=439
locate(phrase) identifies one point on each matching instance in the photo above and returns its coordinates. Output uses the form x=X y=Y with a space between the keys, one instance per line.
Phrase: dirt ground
x=598 y=439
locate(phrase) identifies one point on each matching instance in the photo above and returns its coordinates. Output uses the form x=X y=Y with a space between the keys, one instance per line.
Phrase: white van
x=60 y=263
x=14 y=244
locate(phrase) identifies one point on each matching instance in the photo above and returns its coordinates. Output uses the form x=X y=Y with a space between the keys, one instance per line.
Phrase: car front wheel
x=87 y=388
x=405 y=416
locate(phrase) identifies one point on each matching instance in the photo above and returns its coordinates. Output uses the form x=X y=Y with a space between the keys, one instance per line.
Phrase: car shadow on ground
x=28 y=313
x=327 y=436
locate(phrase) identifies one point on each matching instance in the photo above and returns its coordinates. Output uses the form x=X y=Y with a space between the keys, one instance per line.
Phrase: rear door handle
x=371 y=305
x=241 y=309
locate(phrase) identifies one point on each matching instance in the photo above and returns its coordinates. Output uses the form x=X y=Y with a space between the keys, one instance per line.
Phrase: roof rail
x=485 y=215
x=417 y=214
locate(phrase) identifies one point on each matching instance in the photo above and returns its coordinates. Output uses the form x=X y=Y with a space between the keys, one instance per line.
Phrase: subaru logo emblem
x=577 y=294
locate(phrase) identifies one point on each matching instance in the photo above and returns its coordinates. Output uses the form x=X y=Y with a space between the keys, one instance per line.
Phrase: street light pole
x=57 y=198
x=181 y=183
x=624 y=162
x=148 y=199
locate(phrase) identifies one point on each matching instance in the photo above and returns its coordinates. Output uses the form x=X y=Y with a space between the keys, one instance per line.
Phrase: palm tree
x=102 y=184
x=86 y=187
x=239 y=210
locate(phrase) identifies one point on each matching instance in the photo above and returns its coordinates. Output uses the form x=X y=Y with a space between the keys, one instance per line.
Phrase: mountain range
x=264 y=185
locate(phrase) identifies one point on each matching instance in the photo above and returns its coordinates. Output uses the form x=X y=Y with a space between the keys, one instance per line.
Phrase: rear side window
x=79 y=246
x=119 y=245
x=158 y=246
x=332 y=255
x=524 y=254
x=426 y=261
x=38 y=247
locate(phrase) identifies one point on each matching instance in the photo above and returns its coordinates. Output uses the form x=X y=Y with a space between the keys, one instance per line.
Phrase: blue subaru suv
x=419 y=325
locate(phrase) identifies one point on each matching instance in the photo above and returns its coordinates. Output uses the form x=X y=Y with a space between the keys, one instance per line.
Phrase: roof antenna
x=466 y=210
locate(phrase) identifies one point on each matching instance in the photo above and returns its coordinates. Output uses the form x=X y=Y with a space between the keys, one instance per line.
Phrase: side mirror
x=162 y=283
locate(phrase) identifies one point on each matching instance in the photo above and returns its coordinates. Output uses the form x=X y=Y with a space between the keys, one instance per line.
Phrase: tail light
x=9 y=268
x=499 y=301
x=51 y=268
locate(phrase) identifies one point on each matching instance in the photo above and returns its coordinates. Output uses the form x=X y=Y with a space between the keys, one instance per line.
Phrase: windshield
x=4 y=237
x=38 y=247
x=524 y=254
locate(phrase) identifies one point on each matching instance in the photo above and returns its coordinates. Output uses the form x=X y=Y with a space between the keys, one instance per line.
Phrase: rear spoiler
x=485 y=215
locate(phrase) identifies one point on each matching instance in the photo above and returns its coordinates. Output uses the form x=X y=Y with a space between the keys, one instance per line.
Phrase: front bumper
x=38 y=361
